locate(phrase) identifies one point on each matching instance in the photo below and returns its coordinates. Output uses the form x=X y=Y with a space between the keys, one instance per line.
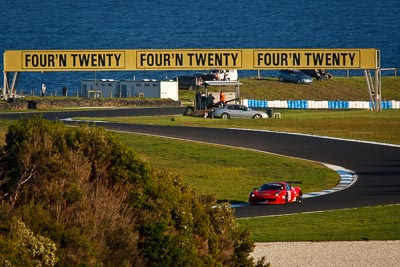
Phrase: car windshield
x=271 y=187
x=300 y=73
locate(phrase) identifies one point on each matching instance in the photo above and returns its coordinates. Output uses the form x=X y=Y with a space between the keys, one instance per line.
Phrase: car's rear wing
x=294 y=182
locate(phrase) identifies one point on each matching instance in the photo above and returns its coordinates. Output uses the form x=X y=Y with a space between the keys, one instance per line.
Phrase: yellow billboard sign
x=70 y=60
x=318 y=59
x=187 y=59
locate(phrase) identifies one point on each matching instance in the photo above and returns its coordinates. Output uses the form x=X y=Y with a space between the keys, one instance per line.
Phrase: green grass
x=226 y=172
x=370 y=223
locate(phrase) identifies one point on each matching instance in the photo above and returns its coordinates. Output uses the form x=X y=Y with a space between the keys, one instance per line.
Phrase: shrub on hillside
x=82 y=189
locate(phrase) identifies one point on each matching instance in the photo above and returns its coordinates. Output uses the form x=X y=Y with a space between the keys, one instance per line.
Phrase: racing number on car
x=289 y=192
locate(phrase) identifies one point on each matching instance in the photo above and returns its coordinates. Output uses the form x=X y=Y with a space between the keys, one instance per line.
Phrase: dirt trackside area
x=337 y=253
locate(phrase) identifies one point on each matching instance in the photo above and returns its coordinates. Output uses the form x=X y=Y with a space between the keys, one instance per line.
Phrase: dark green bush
x=101 y=205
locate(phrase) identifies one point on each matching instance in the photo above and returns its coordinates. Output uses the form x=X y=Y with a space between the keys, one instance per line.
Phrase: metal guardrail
x=384 y=72
x=342 y=73
x=391 y=69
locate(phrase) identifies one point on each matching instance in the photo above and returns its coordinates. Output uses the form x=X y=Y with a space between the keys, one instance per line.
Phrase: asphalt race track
x=377 y=166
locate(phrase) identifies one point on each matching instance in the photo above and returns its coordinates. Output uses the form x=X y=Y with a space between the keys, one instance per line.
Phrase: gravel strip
x=340 y=253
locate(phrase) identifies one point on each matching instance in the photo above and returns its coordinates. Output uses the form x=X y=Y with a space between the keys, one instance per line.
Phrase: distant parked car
x=238 y=111
x=206 y=76
x=318 y=74
x=189 y=82
x=294 y=76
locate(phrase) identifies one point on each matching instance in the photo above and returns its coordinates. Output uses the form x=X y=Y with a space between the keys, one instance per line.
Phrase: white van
x=225 y=75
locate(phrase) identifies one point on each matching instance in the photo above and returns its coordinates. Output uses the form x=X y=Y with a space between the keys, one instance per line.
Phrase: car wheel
x=281 y=79
x=188 y=111
x=257 y=116
x=299 y=81
x=299 y=199
x=225 y=116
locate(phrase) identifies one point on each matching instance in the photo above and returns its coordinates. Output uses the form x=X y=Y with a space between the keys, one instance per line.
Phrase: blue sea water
x=129 y=24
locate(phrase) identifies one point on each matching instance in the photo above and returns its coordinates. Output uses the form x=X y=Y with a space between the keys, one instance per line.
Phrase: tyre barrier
x=311 y=104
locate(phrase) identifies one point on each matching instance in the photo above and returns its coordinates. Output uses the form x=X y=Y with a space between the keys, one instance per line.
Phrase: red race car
x=276 y=193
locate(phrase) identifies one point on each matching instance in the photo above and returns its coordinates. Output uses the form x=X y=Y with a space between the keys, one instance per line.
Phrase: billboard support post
x=5 y=85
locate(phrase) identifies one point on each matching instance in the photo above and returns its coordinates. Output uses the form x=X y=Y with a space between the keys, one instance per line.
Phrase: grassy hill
x=338 y=88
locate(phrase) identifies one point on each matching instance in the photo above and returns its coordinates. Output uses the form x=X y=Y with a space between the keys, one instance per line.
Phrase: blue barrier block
x=343 y=104
x=261 y=104
x=297 y=104
x=386 y=105
x=251 y=103
x=332 y=104
x=338 y=104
